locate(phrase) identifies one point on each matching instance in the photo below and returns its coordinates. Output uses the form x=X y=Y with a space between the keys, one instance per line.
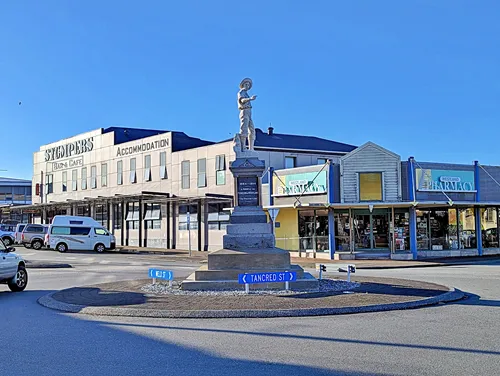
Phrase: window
x=218 y=219
x=119 y=172
x=117 y=216
x=74 y=179
x=147 y=168
x=50 y=184
x=163 y=165
x=60 y=231
x=83 y=211
x=100 y=231
x=370 y=186
x=153 y=216
x=104 y=175
x=18 y=193
x=133 y=176
x=289 y=162
x=93 y=177
x=185 y=175
x=489 y=227
x=132 y=215
x=79 y=231
x=313 y=230
x=322 y=161
x=101 y=214
x=188 y=217
x=34 y=229
x=65 y=181
x=84 y=177
x=220 y=170
x=202 y=173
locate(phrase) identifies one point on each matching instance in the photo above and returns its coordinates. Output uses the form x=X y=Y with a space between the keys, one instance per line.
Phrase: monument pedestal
x=249 y=242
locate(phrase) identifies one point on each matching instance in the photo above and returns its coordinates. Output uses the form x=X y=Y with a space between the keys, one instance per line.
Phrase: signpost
x=273 y=213
x=272 y=277
x=166 y=275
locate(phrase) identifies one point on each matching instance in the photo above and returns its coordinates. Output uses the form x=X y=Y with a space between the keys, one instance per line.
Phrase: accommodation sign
x=298 y=184
x=70 y=149
x=145 y=146
x=431 y=180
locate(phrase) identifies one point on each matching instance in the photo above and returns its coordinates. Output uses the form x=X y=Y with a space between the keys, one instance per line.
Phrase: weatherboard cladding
x=370 y=158
x=439 y=196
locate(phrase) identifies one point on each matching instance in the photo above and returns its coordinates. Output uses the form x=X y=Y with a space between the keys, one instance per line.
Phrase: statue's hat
x=245 y=80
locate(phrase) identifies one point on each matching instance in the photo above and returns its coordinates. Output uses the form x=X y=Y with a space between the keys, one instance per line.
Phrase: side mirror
x=10 y=249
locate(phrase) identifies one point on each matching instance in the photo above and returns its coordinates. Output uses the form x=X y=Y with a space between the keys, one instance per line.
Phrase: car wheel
x=21 y=280
x=27 y=245
x=7 y=241
x=37 y=244
x=61 y=247
x=100 y=248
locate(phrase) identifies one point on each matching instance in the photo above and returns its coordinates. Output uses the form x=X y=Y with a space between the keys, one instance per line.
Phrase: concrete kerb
x=49 y=302
x=45 y=265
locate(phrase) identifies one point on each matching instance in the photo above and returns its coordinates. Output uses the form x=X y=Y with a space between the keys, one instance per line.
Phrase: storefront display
x=313 y=230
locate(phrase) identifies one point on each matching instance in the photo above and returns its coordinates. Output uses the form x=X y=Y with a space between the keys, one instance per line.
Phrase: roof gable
x=368 y=145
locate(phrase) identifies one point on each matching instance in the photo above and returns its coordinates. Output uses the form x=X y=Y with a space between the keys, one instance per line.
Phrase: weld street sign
x=167 y=275
x=267 y=277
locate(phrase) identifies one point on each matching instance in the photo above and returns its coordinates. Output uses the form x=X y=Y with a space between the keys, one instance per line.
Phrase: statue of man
x=247 y=129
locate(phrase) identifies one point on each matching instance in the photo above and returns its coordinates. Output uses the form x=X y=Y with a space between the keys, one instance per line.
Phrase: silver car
x=12 y=269
x=33 y=236
x=19 y=230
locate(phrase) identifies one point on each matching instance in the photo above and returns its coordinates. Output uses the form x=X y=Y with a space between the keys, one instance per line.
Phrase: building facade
x=13 y=192
x=157 y=188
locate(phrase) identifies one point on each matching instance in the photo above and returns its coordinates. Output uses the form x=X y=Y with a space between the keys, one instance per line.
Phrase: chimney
x=270 y=131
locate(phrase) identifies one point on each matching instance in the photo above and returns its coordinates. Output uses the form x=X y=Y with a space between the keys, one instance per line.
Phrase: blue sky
x=420 y=78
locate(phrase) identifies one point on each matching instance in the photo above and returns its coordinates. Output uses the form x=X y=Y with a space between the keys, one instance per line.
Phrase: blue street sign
x=267 y=277
x=161 y=274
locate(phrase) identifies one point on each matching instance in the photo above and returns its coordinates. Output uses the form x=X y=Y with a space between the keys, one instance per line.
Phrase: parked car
x=34 y=236
x=7 y=234
x=17 y=234
x=78 y=233
x=12 y=269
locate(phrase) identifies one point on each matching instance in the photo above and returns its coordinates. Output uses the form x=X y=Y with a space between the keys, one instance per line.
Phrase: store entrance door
x=371 y=230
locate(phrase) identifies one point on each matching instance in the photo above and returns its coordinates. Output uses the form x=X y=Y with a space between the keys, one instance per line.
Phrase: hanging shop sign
x=430 y=180
x=69 y=150
x=305 y=183
x=139 y=148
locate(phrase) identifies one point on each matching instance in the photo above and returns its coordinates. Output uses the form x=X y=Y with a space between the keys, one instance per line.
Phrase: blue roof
x=180 y=140
x=14 y=182
x=296 y=142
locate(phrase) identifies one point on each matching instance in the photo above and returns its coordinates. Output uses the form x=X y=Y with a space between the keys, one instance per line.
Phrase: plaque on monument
x=248 y=191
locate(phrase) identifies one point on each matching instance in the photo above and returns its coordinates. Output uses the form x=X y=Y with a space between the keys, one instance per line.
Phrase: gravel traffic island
x=142 y=299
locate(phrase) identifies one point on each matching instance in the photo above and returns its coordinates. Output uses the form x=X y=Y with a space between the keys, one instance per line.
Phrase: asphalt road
x=454 y=339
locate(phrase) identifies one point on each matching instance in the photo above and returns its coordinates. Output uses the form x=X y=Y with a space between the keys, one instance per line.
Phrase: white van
x=78 y=233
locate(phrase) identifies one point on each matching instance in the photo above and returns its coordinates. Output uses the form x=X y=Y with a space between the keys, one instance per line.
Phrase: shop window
x=119 y=172
x=321 y=161
x=402 y=230
x=117 y=216
x=289 y=162
x=220 y=169
x=437 y=229
x=489 y=227
x=93 y=177
x=202 y=173
x=370 y=186
x=65 y=181
x=84 y=178
x=104 y=175
x=147 y=168
x=218 y=218
x=132 y=215
x=188 y=217
x=153 y=216
x=50 y=183
x=163 y=165
x=185 y=178
x=467 y=228
x=83 y=211
x=101 y=215
x=313 y=230
x=74 y=179
x=342 y=230
x=133 y=174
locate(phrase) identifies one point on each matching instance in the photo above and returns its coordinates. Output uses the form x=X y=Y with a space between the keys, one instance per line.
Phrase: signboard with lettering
x=305 y=183
x=70 y=149
x=430 y=180
x=68 y=163
x=248 y=191
x=167 y=275
x=139 y=148
x=272 y=277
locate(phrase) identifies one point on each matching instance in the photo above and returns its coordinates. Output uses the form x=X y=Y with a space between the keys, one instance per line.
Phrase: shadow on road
x=53 y=343
x=473 y=299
